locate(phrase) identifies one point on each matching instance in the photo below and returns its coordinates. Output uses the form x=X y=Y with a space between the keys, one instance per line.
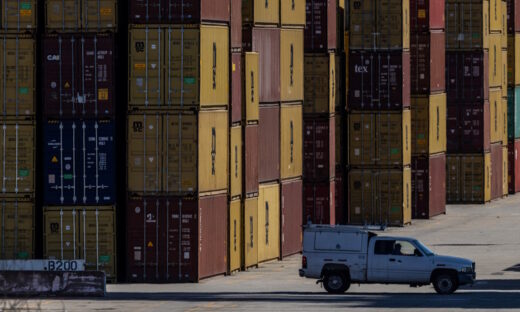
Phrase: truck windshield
x=423 y=248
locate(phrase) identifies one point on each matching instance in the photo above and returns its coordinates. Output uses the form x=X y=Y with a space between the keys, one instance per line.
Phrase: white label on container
x=154 y=46
x=67 y=227
x=357 y=152
x=52 y=179
x=356 y=93
x=137 y=161
x=358 y=210
x=137 y=255
x=186 y=255
x=139 y=82
x=137 y=209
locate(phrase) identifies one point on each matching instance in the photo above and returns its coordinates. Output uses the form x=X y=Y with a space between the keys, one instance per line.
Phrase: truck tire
x=445 y=284
x=336 y=282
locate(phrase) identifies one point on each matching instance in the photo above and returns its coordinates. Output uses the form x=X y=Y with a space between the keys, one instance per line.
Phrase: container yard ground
x=488 y=234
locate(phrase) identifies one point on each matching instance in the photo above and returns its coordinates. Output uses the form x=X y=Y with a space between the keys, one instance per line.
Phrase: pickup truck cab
x=340 y=255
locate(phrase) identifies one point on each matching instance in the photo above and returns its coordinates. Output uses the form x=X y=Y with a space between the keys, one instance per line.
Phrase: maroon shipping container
x=496 y=171
x=426 y=15
x=467 y=78
x=514 y=167
x=292 y=210
x=236 y=24
x=179 y=12
x=341 y=214
x=78 y=76
x=320 y=26
x=319 y=203
x=236 y=87
x=468 y=128
x=427 y=59
x=175 y=239
x=513 y=16
x=428 y=186
x=251 y=154
x=269 y=144
x=319 y=148
x=265 y=41
x=379 y=80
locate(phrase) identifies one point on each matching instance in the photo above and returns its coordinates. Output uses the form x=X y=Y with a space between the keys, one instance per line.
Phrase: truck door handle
x=391 y=260
x=327 y=259
x=342 y=260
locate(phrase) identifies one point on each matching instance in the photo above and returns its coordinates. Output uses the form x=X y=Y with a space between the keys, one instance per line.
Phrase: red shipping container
x=292 y=210
x=496 y=171
x=319 y=148
x=320 y=26
x=467 y=79
x=78 y=76
x=514 y=167
x=251 y=160
x=269 y=144
x=319 y=203
x=428 y=186
x=379 y=80
x=236 y=24
x=175 y=239
x=179 y=12
x=426 y=15
x=427 y=58
x=513 y=16
x=468 y=128
x=236 y=87
x=265 y=41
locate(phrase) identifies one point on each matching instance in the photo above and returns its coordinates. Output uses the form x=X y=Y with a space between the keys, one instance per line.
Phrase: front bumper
x=467 y=278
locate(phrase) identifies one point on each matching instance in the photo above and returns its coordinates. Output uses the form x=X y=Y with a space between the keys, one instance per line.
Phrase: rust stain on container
x=319 y=202
x=251 y=163
x=319 y=148
x=235 y=162
x=291 y=219
x=428 y=186
x=266 y=42
x=269 y=222
x=17 y=229
x=269 y=139
x=291 y=137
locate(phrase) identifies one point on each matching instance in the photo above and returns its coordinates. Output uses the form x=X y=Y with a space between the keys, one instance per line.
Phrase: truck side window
x=384 y=247
x=405 y=248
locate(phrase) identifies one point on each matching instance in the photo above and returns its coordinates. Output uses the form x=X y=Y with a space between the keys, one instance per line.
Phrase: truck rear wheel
x=445 y=284
x=336 y=282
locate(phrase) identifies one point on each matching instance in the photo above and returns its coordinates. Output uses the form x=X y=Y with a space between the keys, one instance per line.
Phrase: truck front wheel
x=445 y=284
x=336 y=282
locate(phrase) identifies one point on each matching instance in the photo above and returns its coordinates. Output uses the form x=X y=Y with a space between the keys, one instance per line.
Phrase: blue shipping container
x=513 y=113
x=79 y=162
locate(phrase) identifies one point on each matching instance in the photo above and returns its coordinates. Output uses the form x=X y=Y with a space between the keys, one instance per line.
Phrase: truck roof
x=342 y=228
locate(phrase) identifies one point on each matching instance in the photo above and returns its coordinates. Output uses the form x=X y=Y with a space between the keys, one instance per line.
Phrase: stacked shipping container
x=178 y=140
x=428 y=107
x=477 y=113
x=513 y=95
x=78 y=96
x=18 y=121
x=379 y=118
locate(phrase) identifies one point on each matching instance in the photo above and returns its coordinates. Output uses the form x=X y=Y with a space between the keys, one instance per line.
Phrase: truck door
x=407 y=264
x=378 y=260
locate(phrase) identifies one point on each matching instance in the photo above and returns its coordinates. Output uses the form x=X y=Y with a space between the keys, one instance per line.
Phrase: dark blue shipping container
x=79 y=162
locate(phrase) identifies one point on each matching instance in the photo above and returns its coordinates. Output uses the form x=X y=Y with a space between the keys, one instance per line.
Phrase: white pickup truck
x=340 y=255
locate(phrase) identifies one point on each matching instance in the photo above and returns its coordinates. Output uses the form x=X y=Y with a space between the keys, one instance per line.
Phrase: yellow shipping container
x=268 y=222
x=429 y=124
x=467 y=26
x=82 y=233
x=72 y=15
x=468 y=178
x=504 y=24
x=320 y=85
x=19 y=15
x=495 y=60
x=250 y=232
x=292 y=13
x=504 y=73
x=235 y=162
x=257 y=12
x=18 y=78
x=496 y=115
x=291 y=65
x=495 y=16
x=505 y=172
x=251 y=91
x=16 y=229
x=380 y=197
x=17 y=154
x=235 y=235
x=513 y=60
x=291 y=136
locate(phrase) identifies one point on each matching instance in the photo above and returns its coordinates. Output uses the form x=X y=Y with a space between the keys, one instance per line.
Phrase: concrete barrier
x=56 y=284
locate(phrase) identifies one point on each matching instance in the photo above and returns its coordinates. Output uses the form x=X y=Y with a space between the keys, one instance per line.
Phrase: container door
x=235 y=235
x=16 y=230
x=250 y=232
x=61 y=234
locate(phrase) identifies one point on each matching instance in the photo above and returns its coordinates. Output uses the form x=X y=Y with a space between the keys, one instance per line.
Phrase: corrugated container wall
x=268 y=222
x=320 y=26
x=291 y=136
x=19 y=16
x=235 y=162
x=260 y=12
x=429 y=124
x=17 y=234
x=235 y=235
x=320 y=84
x=468 y=128
x=467 y=24
x=250 y=93
x=319 y=202
x=514 y=167
x=468 y=178
x=291 y=65
x=269 y=158
x=251 y=239
x=292 y=13
x=179 y=12
x=236 y=88
x=426 y=15
x=429 y=186
x=427 y=63
x=319 y=148
x=75 y=15
x=291 y=217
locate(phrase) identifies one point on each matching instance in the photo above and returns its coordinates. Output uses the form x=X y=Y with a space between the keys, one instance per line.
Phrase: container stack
x=323 y=56
x=78 y=96
x=513 y=93
x=428 y=101
x=379 y=117
x=18 y=120
x=178 y=140
x=476 y=111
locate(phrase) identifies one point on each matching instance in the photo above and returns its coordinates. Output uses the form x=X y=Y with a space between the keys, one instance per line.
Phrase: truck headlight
x=466 y=270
